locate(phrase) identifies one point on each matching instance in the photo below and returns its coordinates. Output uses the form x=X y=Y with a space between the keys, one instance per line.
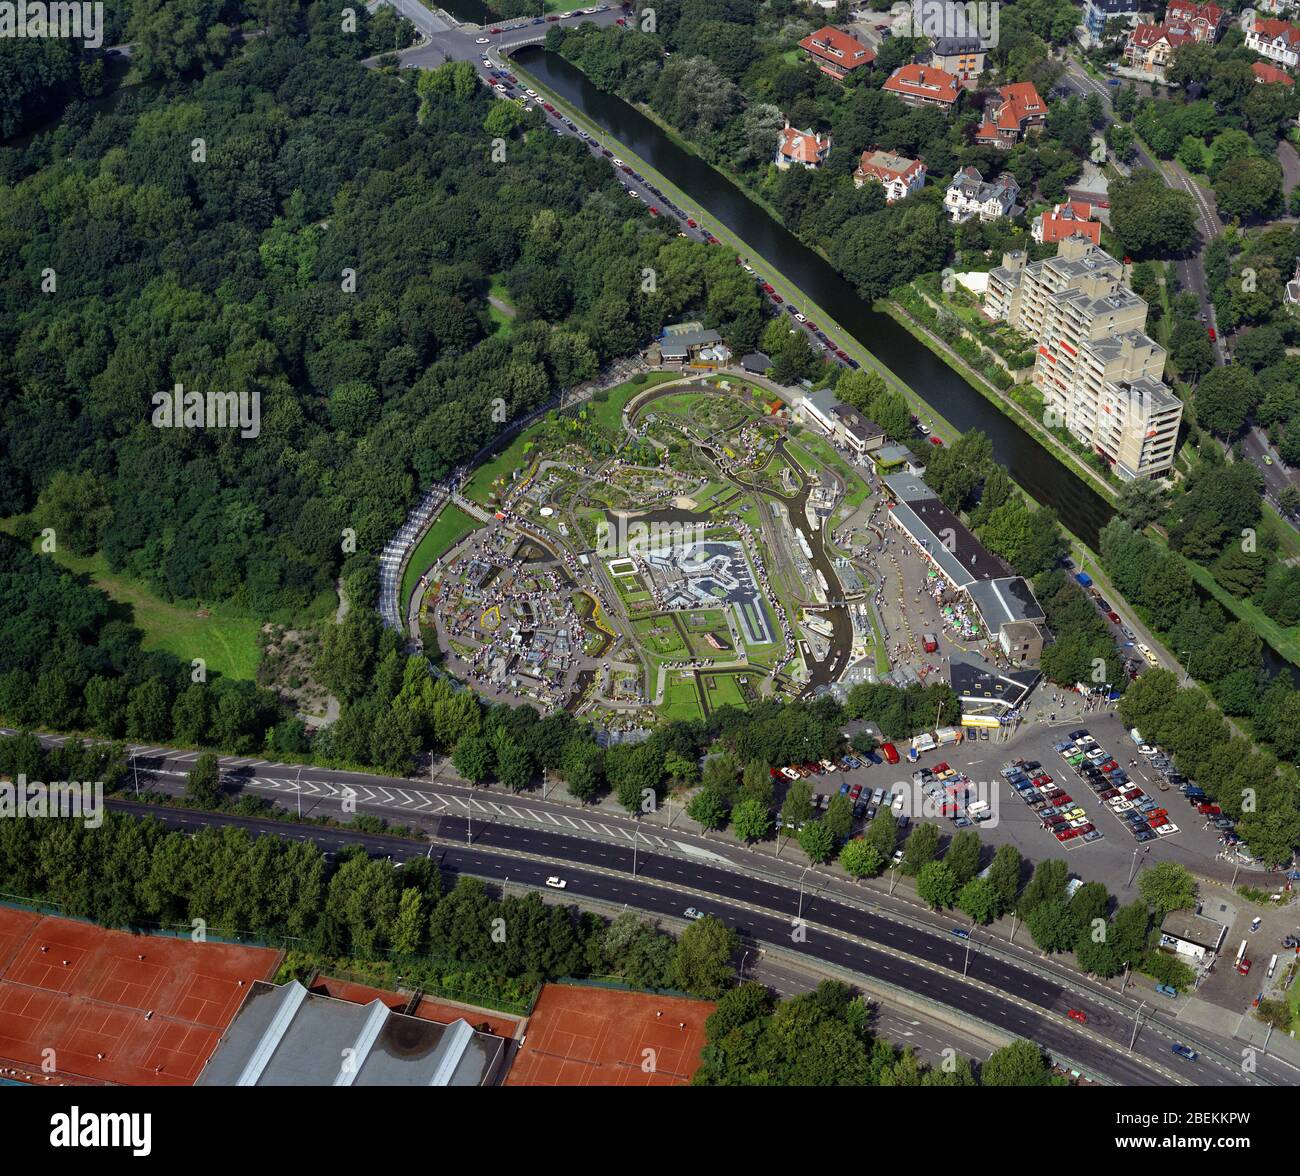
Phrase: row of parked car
x=1142 y=815
x=1061 y=816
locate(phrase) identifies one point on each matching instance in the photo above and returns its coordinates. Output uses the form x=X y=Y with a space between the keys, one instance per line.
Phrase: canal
x=1081 y=509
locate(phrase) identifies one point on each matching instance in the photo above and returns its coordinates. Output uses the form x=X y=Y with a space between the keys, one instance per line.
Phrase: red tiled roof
x=1274 y=30
x=801 y=146
x=1146 y=35
x=1065 y=220
x=923 y=81
x=837 y=48
x=1271 y=75
x=1185 y=12
x=1020 y=101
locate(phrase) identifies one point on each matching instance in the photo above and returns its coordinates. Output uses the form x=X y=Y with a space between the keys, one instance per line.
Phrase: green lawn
x=505 y=323
x=448 y=528
x=681 y=699
x=723 y=690
x=226 y=641
x=608 y=412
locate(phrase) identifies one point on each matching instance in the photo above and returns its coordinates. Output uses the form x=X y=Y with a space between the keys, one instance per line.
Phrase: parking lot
x=1109 y=859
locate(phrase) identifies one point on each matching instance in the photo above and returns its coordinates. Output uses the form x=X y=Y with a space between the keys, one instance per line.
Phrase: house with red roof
x=836 y=53
x=923 y=85
x=801 y=147
x=899 y=175
x=1151 y=46
x=1278 y=40
x=1073 y=218
x=1270 y=75
x=1205 y=22
x=1017 y=110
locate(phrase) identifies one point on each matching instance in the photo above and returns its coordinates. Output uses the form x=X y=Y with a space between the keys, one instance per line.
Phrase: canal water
x=1081 y=509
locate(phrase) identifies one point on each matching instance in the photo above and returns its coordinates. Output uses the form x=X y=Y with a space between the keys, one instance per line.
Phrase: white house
x=1278 y=40
x=899 y=175
x=970 y=195
x=801 y=147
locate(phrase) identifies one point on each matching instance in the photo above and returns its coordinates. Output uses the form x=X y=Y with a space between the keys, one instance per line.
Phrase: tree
x=580 y=767
x=750 y=820
x=708 y=808
x=920 y=847
x=410 y=924
x=702 y=962
x=1019 y=1064
x=980 y=900
x=1004 y=874
x=861 y=859
x=1224 y=399
x=937 y=885
x=817 y=841
x=203 y=785
x=963 y=856
x=839 y=817
x=1249 y=187
x=1151 y=219
x=797 y=807
x=1167 y=886
x=472 y=758
x=1141 y=502
x=1051 y=926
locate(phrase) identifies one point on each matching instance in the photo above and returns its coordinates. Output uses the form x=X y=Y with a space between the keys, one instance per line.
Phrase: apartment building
x=1098 y=371
x=963 y=57
x=1151 y=46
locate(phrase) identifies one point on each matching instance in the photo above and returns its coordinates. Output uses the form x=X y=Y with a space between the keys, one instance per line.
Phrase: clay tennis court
x=600 y=1037
x=154 y=1007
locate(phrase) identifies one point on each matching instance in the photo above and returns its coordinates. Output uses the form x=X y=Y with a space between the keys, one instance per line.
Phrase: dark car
x=1143 y=835
x=859 y=811
x=1183 y=1051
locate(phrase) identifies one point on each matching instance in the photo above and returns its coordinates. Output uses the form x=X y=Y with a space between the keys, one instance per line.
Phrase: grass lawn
x=659 y=636
x=1285 y=641
x=681 y=699
x=608 y=412
x=505 y=323
x=723 y=690
x=227 y=642
x=450 y=526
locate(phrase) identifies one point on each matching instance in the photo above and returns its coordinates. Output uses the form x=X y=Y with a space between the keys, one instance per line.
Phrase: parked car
x=1167 y=990
x=890 y=752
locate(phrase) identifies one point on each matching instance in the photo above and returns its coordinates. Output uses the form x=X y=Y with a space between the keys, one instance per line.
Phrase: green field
x=608 y=412
x=681 y=699
x=452 y=525
x=723 y=690
x=505 y=323
x=658 y=635
x=226 y=641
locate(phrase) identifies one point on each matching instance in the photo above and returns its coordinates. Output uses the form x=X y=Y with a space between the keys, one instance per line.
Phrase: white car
x=830 y=767
x=692 y=913
x=618 y=162
x=1167 y=830
x=530 y=93
x=801 y=318
x=1147 y=750
x=1145 y=651
x=556 y=883
x=789 y=773
x=482 y=40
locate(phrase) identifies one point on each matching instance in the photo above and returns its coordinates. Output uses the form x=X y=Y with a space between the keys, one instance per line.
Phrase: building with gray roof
x=286 y=1035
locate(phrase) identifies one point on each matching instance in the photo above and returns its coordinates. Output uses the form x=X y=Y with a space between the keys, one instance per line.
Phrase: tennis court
x=607 y=1037
x=79 y=1003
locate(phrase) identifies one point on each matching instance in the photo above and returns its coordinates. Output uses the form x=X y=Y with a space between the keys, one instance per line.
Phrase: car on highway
x=1077 y=1015
x=692 y=914
x=1184 y=1051
x=961 y=932
x=482 y=41
x=556 y=883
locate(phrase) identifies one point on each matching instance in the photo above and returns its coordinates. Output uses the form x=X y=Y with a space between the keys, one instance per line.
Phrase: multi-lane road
x=661 y=871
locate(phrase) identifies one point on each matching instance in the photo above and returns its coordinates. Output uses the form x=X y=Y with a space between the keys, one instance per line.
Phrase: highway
x=719 y=877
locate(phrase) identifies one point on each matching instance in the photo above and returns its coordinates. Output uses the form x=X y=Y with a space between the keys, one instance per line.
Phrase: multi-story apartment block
x=1097 y=370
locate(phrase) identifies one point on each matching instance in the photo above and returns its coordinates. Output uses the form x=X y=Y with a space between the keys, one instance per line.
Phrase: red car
x=777 y=299
x=653 y=211
x=935 y=441
x=494 y=31
x=1210 y=331
x=1209 y=810
x=855 y=792
x=691 y=223
x=627 y=169
x=1077 y=1015
x=1244 y=967
x=546 y=106
x=812 y=326
x=890 y=752
x=840 y=352
x=712 y=239
x=768 y=289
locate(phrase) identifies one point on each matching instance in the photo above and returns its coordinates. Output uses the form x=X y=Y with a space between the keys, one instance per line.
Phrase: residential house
x=899 y=175
x=1151 y=46
x=970 y=195
x=835 y=53
x=1277 y=40
x=1205 y=22
x=1270 y=75
x=801 y=147
x=1098 y=13
x=855 y=430
x=923 y=85
x=1066 y=220
x=1018 y=110
x=963 y=57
